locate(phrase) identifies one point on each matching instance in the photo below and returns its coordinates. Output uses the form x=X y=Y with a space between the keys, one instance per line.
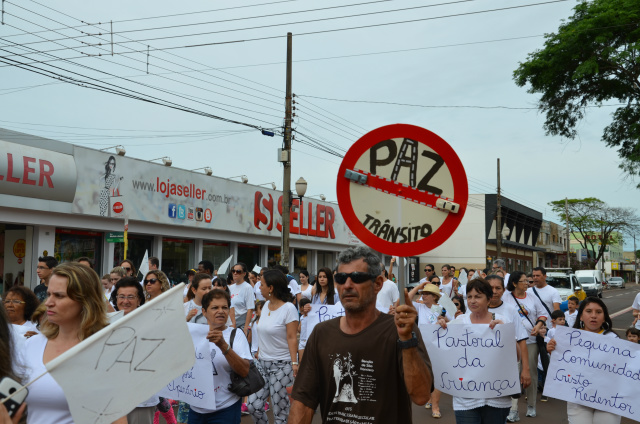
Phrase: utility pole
x=286 y=181
x=566 y=212
x=499 y=220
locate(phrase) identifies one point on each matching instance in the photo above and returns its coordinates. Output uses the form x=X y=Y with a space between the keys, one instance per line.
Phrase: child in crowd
x=572 y=313
x=558 y=320
x=302 y=328
x=633 y=335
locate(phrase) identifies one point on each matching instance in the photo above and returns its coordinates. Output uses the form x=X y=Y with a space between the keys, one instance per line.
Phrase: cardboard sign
x=107 y=375
x=195 y=386
x=596 y=371
x=473 y=361
x=402 y=190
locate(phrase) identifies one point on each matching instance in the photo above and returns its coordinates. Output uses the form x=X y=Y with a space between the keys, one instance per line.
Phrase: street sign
x=402 y=190
x=115 y=237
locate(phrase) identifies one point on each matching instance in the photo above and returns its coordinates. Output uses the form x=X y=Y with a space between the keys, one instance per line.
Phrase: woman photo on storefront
x=225 y=358
x=533 y=317
x=75 y=310
x=323 y=291
x=277 y=348
x=593 y=316
x=242 y=297
x=487 y=410
x=20 y=303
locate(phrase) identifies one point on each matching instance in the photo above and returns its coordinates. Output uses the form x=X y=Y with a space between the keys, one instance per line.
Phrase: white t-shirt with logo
x=242 y=298
x=426 y=315
x=222 y=370
x=530 y=311
x=273 y=331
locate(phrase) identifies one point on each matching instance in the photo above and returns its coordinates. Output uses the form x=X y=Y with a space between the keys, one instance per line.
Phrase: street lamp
x=301 y=189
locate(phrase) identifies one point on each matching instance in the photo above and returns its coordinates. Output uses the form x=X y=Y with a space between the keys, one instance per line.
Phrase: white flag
x=107 y=375
x=144 y=266
x=224 y=268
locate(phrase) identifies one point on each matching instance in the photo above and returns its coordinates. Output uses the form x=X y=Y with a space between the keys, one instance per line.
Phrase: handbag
x=245 y=386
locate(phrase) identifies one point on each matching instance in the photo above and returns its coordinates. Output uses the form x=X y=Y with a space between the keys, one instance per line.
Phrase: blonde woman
x=75 y=310
x=155 y=283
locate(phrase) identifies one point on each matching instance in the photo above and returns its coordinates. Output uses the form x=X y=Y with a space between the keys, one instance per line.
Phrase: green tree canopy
x=593 y=58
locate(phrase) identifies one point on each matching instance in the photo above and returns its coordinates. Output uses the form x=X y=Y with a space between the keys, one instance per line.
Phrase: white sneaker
x=513 y=416
x=531 y=411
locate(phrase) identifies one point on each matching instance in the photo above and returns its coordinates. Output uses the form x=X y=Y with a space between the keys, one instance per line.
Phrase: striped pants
x=277 y=376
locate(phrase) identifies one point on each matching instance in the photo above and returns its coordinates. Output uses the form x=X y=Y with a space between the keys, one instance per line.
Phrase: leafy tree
x=593 y=58
x=592 y=216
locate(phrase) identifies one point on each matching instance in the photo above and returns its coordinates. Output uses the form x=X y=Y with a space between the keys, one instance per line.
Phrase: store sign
x=110 y=185
x=32 y=172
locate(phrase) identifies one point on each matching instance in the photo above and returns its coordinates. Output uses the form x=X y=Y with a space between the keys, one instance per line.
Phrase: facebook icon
x=172 y=210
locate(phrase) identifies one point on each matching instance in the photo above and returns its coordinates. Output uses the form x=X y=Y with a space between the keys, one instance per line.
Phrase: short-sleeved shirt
x=242 y=297
x=387 y=295
x=356 y=378
x=530 y=310
x=570 y=318
x=273 y=332
x=426 y=315
x=41 y=292
x=509 y=311
x=199 y=318
x=222 y=370
x=636 y=305
x=549 y=295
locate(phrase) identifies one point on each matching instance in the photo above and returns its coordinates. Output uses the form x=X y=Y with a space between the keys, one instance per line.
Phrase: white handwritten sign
x=473 y=361
x=107 y=375
x=195 y=386
x=596 y=371
x=320 y=313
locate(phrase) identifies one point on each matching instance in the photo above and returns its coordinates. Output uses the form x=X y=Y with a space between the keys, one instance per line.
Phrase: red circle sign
x=118 y=207
x=402 y=190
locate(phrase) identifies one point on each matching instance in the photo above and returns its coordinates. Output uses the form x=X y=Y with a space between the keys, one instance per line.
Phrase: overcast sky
x=448 y=61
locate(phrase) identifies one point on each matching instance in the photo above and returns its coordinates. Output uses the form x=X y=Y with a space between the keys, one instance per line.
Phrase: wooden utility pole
x=499 y=220
x=566 y=212
x=286 y=183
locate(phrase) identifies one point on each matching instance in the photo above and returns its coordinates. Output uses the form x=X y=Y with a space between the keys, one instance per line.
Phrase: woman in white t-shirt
x=200 y=286
x=305 y=287
x=533 y=317
x=20 y=304
x=75 y=310
x=323 y=291
x=593 y=316
x=277 y=348
x=487 y=410
x=242 y=297
x=224 y=359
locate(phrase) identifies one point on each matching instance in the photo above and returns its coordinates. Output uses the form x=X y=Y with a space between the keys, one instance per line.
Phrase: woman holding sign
x=75 y=310
x=473 y=410
x=229 y=352
x=593 y=316
x=323 y=291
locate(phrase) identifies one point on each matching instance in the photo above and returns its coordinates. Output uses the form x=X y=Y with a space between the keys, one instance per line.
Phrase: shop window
x=217 y=253
x=273 y=256
x=137 y=246
x=249 y=255
x=300 y=258
x=176 y=259
x=325 y=260
x=72 y=244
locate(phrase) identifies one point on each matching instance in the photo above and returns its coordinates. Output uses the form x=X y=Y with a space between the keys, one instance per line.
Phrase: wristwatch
x=412 y=342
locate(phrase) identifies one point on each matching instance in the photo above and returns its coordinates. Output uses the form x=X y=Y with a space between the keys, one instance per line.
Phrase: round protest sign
x=402 y=190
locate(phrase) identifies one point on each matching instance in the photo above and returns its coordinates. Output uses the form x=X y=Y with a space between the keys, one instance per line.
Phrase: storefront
x=65 y=201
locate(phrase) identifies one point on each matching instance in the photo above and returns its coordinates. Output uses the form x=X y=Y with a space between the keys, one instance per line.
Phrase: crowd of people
x=258 y=319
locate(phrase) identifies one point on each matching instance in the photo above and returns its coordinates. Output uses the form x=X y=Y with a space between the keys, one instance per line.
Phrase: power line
x=319 y=31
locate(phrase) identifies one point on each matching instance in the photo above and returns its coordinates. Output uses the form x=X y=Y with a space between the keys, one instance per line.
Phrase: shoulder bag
x=245 y=386
x=542 y=346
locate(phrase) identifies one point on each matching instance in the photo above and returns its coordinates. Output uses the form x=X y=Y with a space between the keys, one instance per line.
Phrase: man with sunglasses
x=365 y=365
x=429 y=271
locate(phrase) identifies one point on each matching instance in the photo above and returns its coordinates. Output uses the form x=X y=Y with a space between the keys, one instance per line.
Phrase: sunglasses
x=237 y=271
x=356 y=277
x=151 y=281
x=126 y=268
x=428 y=270
x=457 y=304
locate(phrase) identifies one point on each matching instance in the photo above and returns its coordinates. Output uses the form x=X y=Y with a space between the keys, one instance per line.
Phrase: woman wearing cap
x=428 y=314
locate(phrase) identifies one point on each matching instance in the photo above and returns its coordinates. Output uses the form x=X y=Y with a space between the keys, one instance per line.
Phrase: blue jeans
x=229 y=415
x=483 y=415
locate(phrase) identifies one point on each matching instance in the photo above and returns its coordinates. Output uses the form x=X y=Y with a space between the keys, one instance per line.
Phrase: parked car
x=591 y=281
x=617 y=282
x=566 y=284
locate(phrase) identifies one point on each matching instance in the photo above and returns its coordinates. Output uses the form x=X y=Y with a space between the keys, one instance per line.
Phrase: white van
x=591 y=281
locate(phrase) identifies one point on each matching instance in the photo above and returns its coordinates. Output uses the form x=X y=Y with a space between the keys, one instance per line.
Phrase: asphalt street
x=554 y=411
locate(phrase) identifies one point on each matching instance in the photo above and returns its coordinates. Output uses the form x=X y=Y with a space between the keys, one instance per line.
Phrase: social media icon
x=208 y=215
x=199 y=214
x=190 y=213
x=172 y=210
x=182 y=212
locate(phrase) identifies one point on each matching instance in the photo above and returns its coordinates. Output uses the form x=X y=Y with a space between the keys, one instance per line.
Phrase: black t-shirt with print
x=357 y=378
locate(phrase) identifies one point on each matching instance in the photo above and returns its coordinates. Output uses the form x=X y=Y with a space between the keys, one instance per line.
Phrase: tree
x=591 y=216
x=593 y=58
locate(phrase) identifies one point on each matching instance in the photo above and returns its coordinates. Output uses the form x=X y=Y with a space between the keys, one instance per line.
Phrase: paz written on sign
x=107 y=375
